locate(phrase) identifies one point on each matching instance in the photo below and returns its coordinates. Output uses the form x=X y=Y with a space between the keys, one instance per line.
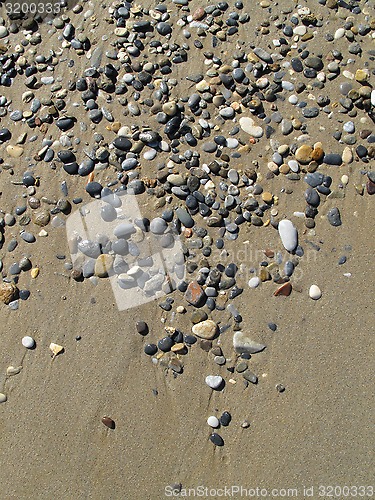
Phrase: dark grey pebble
x=272 y=326
x=165 y=344
x=216 y=439
x=12 y=245
x=184 y=217
x=94 y=188
x=332 y=159
x=225 y=418
x=150 y=349
x=333 y=217
x=312 y=197
x=342 y=260
x=71 y=168
x=28 y=237
x=142 y=327
x=122 y=143
x=314 y=179
x=5 y=134
x=24 y=294
x=310 y=112
x=65 y=123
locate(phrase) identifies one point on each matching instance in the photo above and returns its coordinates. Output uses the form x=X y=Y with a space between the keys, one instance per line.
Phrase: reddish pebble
x=370 y=186
x=194 y=294
x=108 y=422
x=284 y=289
x=198 y=14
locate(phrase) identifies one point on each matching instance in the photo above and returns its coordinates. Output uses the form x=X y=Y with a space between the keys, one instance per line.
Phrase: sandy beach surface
x=316 y=434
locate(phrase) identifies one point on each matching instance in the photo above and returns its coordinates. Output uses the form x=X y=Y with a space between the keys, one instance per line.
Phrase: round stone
x=254 y=282
x=3 y=397
x=205 y=329
x=315 y=292
x=158 y=225
x=150 y=349
x=214 y=381
x=28 y=342
x=213 y=422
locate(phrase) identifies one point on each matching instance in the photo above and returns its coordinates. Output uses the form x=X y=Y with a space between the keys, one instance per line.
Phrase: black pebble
x=141 y=327
x=150 y=349
x=272 y=326
x=216 y=439
x=165 y=344
x=225 y=418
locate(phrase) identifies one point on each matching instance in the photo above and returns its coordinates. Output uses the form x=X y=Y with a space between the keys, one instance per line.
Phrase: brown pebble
x=108 y=422
x=370 y=186
x=284 y=289
x=8 y=292
x=142 y=327
x=269 y=253
x=205 y=345
x=198 y=14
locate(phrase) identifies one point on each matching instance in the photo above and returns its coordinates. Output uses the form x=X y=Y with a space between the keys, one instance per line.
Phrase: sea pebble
x=244 y=344
x=288 y=234
x=3 y=397
x=248 y=125
x=214 y=381
x=216 y=439
x=205 y=329
x=213 y=421
x=28 y=342
x=315 y=292
x=334 y=217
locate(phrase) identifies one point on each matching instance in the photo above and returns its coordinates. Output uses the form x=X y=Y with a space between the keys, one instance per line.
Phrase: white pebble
x=254 y=282
x=213 y=422
x=373 y=97
x=248 y=125
x=3 y=397
x=345 y=179
x=28 y=342
x=214 y=381
x=293 y=99
x=339 y=33
x=315 y=292
x=288 y=234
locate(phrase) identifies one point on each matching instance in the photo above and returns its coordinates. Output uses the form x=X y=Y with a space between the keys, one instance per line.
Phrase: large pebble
x=288 y=234
x=28 y=342
x=8 y=292
x=248 y=125
x=158 y=225
x=333 y=217
x=214 y=381
x=205 y=329
x=244 y=344
x=213 y=421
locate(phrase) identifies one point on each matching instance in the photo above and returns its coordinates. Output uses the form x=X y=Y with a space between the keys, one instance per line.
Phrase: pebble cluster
x=200 y=149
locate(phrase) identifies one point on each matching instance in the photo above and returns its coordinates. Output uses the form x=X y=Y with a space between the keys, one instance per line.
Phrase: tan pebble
x=8 y=292
x=347 y=155
x=34 y=272
x=284 y=169
x=345 y=180
x=267 y=197
x=205 y=329
x=43 y=233
x=41 y=217
x=304 y=153
x=108 y=422
x=317 y=153
x=180 y=347
x=181 y=310
x=14 y=151
x=56 y=349
x=268 y=252
x=362 y=75
x=13 y=370
x=103 y=265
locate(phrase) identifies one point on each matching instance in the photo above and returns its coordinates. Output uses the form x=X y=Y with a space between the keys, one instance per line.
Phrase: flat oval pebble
x=3 y=397
x=315 y=292
x=248 y=125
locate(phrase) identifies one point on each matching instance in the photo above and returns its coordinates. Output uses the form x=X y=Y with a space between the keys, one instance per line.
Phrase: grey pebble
x=334 y=217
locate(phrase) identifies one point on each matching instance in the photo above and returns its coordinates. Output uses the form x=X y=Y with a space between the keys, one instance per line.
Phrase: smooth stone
x=288 y=234
x=304 y=154
x=315 y=292
x=254 y=282
x=314 y=179
x=312 y=197
x=332 y=159
x=333 y=217
x=214 y=381
x=103 y=265
x=28 y=342
x=158 y=225
x=14 y=151
x=124 y=230
x=213 y=421
x=195 y=294
x=3 y=397
x=207 y=329
x=244 y=344
x=248 y=125
x=184 y=217
x=215 y=438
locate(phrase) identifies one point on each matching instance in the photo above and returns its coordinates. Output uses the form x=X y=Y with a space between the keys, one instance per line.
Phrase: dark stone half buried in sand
x=108 y=422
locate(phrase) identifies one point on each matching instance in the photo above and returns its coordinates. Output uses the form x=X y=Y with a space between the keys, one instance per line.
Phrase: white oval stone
x=254 y=282
x=13 y=370
x=288 y=234
x=213 y=421
x=315 y=292
x=214 y=381
x=3 y=397
x=248 y=125
x=373 y=97
x=28 y=342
